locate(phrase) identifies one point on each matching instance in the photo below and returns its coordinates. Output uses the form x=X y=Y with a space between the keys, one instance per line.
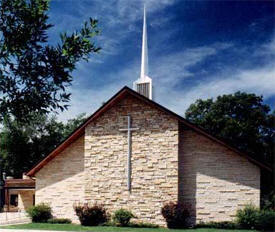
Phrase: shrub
x=109 y=223
x=265 y=220
x=40 y=213
x=175 y=214
x=132 y=224
x=90 y=215
x=268 y=201
x=253 y=218
x=247 y=217
x=123 y=217
x=218 y=225
x=59 y=221
x=142 y=225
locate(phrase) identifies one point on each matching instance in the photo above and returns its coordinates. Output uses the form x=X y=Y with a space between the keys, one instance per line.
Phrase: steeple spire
x=143 y=85
x=144 y=53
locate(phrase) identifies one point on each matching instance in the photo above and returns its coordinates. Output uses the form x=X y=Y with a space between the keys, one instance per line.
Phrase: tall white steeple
x=144 y=52
x=143 y=85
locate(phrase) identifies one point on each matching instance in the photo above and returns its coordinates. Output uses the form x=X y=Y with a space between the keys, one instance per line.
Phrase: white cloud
x=260 y=81
x=169 y=71
x=166 y=72
x=117 y=19
x=88 y=100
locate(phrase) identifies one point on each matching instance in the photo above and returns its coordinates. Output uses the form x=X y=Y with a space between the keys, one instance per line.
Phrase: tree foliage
x=33 y=73
x=241 y=119
x=22 y=145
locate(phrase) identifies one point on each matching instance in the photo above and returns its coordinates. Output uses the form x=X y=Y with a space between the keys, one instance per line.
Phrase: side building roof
x=19 y=183
x=112 y=101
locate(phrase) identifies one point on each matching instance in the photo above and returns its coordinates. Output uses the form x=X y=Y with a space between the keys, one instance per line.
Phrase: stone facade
x=61 y=182
x=213 y=180
x=154 y=160
x=25 y=199
x=169 y=163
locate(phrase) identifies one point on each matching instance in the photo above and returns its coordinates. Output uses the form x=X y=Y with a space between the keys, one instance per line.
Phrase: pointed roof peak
x=144 y=53
x=144 y=9
x=80 y=131
x=143 y=84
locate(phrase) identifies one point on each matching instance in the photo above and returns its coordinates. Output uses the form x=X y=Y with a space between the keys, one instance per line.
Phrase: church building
x=135 y=154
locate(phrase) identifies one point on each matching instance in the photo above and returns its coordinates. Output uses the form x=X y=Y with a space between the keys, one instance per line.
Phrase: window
x=14 y=200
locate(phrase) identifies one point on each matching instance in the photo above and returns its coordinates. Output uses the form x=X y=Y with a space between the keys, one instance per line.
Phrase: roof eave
x=81 y=130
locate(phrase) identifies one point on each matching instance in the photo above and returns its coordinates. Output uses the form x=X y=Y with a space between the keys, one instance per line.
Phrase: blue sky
x=197 y=49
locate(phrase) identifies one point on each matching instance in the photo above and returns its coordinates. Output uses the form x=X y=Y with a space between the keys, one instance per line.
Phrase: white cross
x=129 y=130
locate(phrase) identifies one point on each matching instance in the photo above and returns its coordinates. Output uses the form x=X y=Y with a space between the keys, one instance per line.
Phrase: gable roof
x=77 y=133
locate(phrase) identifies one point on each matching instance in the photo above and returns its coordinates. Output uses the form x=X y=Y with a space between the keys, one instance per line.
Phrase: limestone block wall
x=214 y=180
x=154 y=160
x=25 y=199
x=60 y=182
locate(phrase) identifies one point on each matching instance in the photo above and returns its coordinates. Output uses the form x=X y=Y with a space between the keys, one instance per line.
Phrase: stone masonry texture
x=169 y=163
x=154 y=160
x=61 y=182
x=25 y=199
x=213 y=180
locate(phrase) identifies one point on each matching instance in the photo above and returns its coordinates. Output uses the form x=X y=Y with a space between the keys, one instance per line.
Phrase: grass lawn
x=72 y=227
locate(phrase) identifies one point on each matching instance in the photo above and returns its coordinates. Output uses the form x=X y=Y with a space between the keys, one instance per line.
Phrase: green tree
x=245 y=122
x=72 y=124
x=34 y=74
x=240 y=119
x=22 y=144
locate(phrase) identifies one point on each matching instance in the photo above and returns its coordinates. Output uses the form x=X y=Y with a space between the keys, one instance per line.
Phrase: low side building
x=19 y=194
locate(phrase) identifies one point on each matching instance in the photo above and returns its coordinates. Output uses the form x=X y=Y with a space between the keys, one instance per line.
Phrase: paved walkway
x=10 y=218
